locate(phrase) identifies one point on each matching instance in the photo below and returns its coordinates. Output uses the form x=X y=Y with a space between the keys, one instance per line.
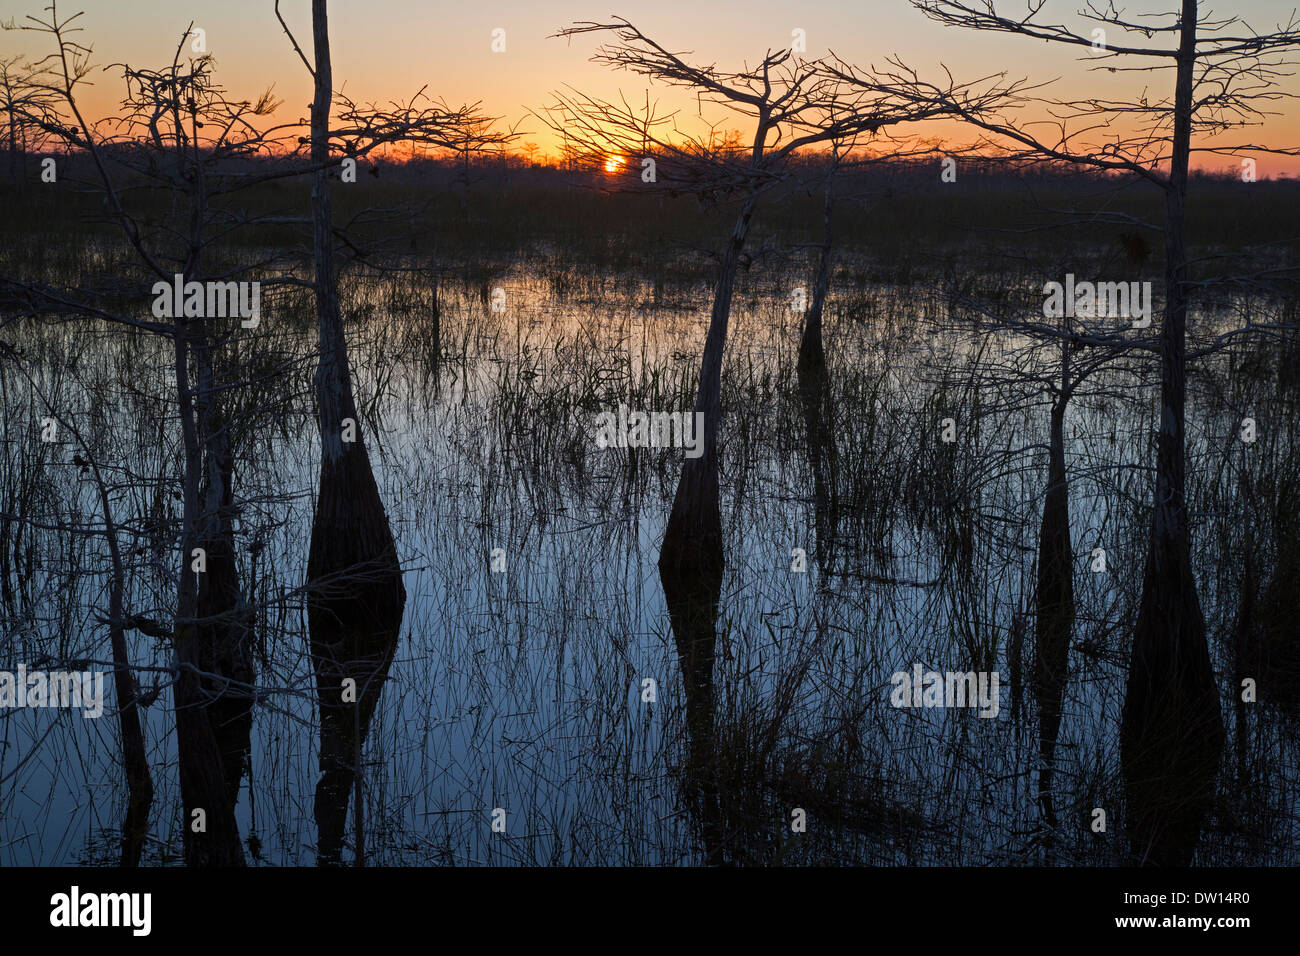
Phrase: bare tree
x=842 y=159
x=357 y=597
x=179 y=130
x=1085 y=347
x=139 y=781
x=24 y=101
x=790 y=105
x=1224 y=76
x=354 y=579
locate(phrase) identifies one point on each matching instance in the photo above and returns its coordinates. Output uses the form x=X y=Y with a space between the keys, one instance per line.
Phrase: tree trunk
x=1277 y=667
x=691 y=558
x=812 y=355
x=13 y=147
x=692 y=546
x=693 y=611
x=354 y=581
x=225 y=622
x=1055 y=609
x=818 y=406
x=212 y=836
x=139 y=782
x=1172 y=731
x=225 y=634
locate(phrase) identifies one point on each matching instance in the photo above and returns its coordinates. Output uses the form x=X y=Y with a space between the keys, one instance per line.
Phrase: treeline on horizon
x=500 y=206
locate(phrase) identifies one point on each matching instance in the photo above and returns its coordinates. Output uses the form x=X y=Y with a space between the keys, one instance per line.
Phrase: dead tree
x=1224 y=74
x=24 y=101
x=355 y=597
x=178 y=131
x=815 y=395
x=139 y=782
x=135 y=761
x=1085 y=347
x=843 y=158
x=812 y=352
x=790 y=105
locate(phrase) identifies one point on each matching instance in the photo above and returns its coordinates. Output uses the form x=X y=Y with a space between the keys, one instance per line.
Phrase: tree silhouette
x=1225 y=74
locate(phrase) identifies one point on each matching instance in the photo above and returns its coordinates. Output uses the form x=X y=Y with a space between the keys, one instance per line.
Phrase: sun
x=613 y=164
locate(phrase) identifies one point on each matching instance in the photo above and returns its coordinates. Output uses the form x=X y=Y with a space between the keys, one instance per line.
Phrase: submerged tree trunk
x=1276 y=664
x=818 y=407
x=1055 y=608
x=225 y=631
x=691 y=558
x=1282 y=610
x=225 y=621
x=693 y=611
x=692 y=541
x=815 y=396
x=1172 y=731
x=211 y=833
x=812 y=354
x=354 y=581
x=692 y=546
x=139 y=782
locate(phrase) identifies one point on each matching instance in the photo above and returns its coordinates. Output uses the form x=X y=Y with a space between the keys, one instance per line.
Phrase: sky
x=388 y=49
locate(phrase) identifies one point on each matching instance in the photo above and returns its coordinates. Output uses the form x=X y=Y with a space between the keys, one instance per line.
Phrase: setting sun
x=613 y=164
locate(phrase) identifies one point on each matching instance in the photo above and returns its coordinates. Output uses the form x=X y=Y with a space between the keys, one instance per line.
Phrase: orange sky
x=389 y=48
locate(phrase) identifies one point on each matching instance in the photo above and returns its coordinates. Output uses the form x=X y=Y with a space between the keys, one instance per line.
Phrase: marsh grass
x=522 y=689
